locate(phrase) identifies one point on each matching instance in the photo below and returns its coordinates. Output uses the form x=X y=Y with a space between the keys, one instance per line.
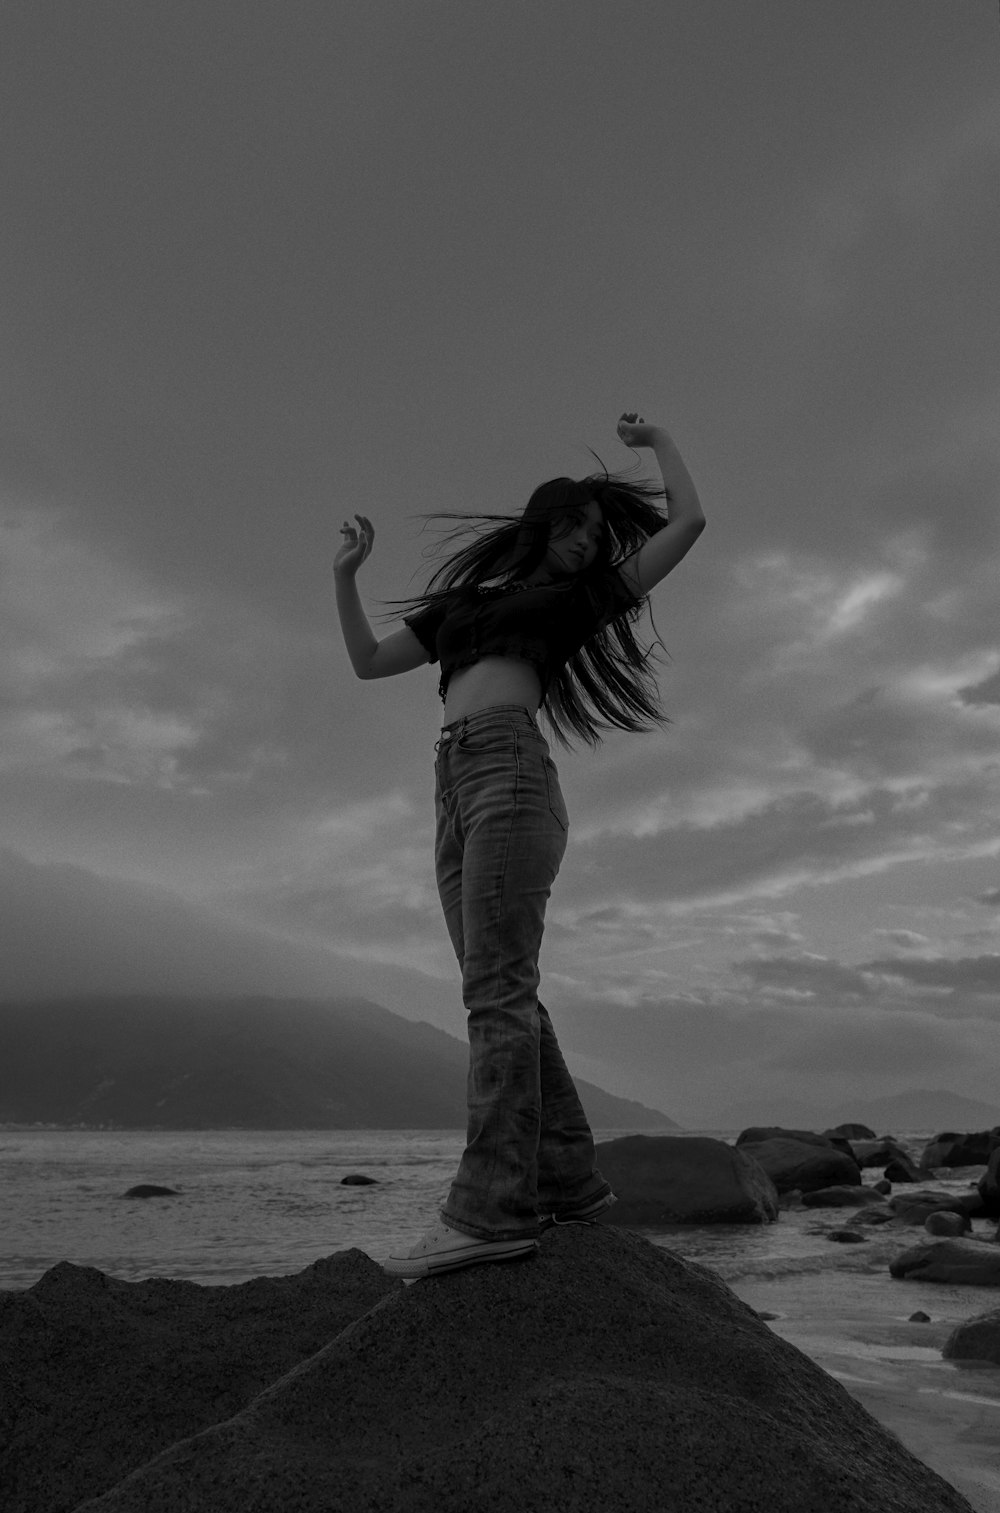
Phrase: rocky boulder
x=760 y=1132
x=975 y=1263
x=841 y=1197
x=977 y=1339
x=916 y=1207
x=792 y=1163
x=851 y=1132
x=98 y=1375
x=950 y=1149
x=684 y=1179
x=604 y=1374
x=988 y=1186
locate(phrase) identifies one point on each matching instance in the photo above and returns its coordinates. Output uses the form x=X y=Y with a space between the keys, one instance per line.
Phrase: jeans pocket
x=495 y=739
x=557 y=804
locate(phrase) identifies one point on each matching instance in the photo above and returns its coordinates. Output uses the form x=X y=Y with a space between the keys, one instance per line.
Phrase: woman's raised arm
x=370 y=658
x=661 y=553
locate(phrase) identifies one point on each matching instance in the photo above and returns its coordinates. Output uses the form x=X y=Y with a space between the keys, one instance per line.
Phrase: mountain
x=917 y=1110
x=920 y=1109
x=249 y=1063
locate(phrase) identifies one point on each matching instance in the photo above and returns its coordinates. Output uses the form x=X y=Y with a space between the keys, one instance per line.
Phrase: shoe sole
x=585 y=1216
x=432 y=1266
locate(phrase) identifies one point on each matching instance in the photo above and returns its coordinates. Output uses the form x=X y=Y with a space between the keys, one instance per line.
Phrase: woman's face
x=574 y=541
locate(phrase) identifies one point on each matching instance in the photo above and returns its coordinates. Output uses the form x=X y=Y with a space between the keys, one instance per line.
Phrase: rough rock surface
x=792 y=1164
x=951 y=1149
x=916 y=1207
x=684 y=1179
x=98 y=1375
x=977 y=1339
x=973 y=1262
x=841 y=1197
x=988 y=1186
x=605 y=1374
x=758 y=1132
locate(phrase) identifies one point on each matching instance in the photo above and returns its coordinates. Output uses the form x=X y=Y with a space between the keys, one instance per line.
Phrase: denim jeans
x=501 y=834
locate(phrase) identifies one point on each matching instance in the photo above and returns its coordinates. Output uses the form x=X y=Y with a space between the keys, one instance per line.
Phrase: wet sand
x=856 y=1326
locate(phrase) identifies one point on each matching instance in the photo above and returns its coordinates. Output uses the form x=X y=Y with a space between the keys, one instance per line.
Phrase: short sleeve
x=425 y=624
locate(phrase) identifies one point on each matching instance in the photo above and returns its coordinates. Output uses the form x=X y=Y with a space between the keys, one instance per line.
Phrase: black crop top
x=543 y=624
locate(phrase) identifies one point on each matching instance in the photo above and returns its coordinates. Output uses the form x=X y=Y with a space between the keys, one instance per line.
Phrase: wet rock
x=804 y=1165
x=877 y=1152
x=945 y=1223
x=604 y=1374
x=852 y=1132
x=901 y=1169
x=916 y=1208
x=975 y=1263
x=758 y=1132
x=883 y=1186
x=150 y=1190
x=99 y=1376
x=841 y=1197
x=988 y=1186
x=678 y=1179
x=977 y=1339
x=919 y=1317
x=358 y=1179
x=951 y=1149
x=847 y=1236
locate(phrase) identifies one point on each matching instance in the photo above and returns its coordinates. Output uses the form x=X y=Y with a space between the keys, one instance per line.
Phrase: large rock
x=852 y=1132
x=951 y=1149
x=684 y=1179
x=759 y=1132
x=792 y=1164
x=916 y=1207
x=977 y=1339
x=973 y=1262
x=988 y=1186
x=97 y=1375
x=604 y=1375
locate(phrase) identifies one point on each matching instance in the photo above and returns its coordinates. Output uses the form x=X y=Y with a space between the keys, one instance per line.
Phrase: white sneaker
x=444 y=1249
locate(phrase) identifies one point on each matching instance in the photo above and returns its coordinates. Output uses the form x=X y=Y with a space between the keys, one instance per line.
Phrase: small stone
x=150 y=1190
x=919 y=1317
x=358 y=1179
x=846 y=1236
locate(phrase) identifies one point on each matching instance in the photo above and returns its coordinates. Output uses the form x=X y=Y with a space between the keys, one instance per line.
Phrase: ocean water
x=270 y=1203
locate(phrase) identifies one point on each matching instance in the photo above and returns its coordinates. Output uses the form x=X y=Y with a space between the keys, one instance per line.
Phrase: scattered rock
x=150 y=1190
x=975 y=1263
x=358 y=1179
x=684 y=1179
x=901 y=1169
x=852 y=1132
x=792 y=1163
x=945 y=1223
x=951 y=1149
x=877 y=1152
x=604 y=1374
x=915 y=1208
x=977 y=1339
x=988 y=1186
x=840 y=1197
x=919 y=1317
x=100 y=1375
x=846 y=1236
x=883 y=1186
x=758 y=1132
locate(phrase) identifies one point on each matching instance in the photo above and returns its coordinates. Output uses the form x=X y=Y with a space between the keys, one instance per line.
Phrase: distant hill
x=920 y=1109
x=917 y=1110
x=251 y=1063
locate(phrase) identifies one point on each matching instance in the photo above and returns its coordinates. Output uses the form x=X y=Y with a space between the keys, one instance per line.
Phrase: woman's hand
x=634 y=431
x=356 y=548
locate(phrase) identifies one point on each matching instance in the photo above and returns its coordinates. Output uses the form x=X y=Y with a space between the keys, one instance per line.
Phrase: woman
x=536 y=611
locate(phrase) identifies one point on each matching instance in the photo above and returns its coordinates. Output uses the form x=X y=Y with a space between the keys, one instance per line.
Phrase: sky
x=265 y=265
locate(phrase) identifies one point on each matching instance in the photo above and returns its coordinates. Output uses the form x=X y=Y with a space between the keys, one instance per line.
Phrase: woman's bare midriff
x=492 y=680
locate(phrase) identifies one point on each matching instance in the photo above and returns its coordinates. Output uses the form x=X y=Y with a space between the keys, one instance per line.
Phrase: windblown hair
x=609 y=682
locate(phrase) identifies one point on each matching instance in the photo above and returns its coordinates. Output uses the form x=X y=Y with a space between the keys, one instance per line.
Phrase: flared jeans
x=501 y=834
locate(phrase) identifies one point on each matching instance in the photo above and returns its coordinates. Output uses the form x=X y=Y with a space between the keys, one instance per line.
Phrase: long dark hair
x=609 y=682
